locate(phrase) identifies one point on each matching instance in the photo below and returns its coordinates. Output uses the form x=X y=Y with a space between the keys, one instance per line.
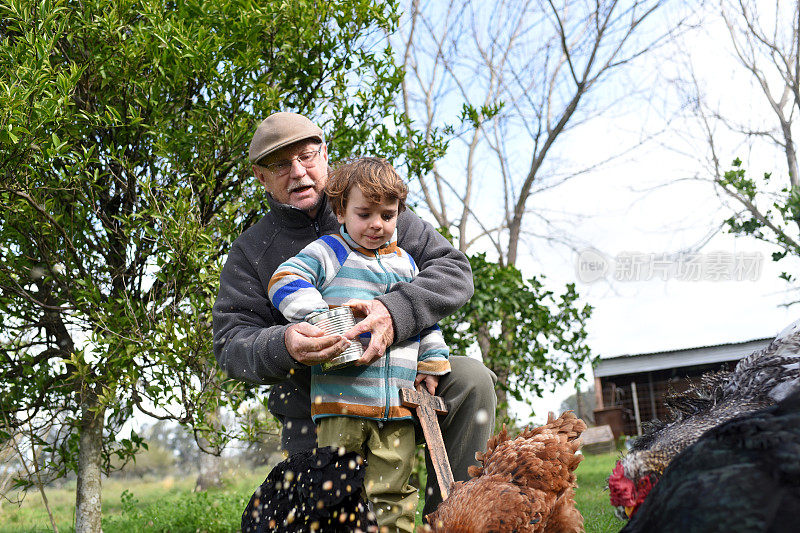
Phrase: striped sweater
x=327 y=273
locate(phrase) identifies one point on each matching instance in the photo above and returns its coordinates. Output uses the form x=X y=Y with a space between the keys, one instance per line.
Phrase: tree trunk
x=484 y=343
x=502 y=395
x=579 y=402
x=210 y=471
x=210 y=465
x=514 y=230
x=87 y=500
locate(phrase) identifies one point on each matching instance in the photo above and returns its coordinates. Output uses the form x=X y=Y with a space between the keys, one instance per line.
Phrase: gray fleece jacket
x=249 y=330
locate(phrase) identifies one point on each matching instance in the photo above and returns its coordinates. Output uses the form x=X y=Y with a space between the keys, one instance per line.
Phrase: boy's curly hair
x=374 y=176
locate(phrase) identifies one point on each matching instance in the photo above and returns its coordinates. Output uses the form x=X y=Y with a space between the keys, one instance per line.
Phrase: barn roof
x=701 y=355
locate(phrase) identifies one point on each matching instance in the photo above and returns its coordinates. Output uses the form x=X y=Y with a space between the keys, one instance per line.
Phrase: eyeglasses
x=307 y=159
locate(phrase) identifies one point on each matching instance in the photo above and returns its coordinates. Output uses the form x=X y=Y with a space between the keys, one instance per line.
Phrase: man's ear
x=259 y=174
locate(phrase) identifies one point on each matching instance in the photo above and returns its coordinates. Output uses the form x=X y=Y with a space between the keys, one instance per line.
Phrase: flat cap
x=279 y=130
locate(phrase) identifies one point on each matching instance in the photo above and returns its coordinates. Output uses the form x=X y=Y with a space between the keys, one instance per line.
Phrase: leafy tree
x=123 y=126
x=526 y=333
x=770 y=217
x=764 y=41
x=175 y=438
x=156 y=461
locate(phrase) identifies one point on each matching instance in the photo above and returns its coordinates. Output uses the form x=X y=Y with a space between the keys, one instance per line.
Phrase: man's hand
x=378 y=322
x=428 y=381
x=309 y=345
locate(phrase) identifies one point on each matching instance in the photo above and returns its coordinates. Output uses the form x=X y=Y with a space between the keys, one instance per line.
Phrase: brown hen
x=526 y=484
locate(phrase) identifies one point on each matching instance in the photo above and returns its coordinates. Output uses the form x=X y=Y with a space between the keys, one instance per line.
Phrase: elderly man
x=253 y=342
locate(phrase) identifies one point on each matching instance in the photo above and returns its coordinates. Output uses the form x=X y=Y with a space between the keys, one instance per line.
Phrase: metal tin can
x=338 y=321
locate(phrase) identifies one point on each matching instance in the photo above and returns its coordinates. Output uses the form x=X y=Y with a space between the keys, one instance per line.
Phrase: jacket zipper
x=388 y=349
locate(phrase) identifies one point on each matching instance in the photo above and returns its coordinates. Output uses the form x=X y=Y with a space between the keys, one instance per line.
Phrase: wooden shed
x=630 y=389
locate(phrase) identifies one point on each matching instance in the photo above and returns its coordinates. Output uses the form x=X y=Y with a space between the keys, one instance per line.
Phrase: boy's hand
x=310 y=345
x=378 y=322
x=428 y=381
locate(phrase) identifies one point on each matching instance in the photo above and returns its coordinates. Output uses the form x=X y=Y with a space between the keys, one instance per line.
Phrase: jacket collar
x=292 y=217
x=389 y=247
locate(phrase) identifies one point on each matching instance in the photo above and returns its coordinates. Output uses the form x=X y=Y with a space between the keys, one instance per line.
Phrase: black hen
x=759 y=380
x=316 y=490
x=742 y=476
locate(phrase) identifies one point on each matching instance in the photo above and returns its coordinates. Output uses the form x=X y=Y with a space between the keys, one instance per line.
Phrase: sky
x=651 y=202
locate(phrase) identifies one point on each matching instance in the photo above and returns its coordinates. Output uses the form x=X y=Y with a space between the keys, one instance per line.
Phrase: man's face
x=291 y=182
x=371 y=225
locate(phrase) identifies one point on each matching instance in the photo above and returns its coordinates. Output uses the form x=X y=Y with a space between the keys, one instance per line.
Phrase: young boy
x=358 y=407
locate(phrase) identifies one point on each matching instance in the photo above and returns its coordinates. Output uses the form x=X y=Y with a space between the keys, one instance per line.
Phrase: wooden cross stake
x=427 y=406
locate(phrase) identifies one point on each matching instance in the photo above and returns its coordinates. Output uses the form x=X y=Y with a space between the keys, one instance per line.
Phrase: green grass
x=169 y=505
x=591 y=497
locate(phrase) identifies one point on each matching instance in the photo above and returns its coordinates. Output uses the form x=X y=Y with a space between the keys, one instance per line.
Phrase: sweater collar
x=388 y=247
x=293 y=217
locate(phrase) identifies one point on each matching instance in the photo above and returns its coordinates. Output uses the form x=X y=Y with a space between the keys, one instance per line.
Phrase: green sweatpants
x=389 y=451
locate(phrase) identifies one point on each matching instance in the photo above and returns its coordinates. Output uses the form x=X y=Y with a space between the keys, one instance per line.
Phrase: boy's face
x=369 y=224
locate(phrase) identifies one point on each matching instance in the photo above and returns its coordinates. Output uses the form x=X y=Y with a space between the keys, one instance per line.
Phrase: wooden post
x=654 y=416
x=598 y=394
x=427 y=407
x=635 y=397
